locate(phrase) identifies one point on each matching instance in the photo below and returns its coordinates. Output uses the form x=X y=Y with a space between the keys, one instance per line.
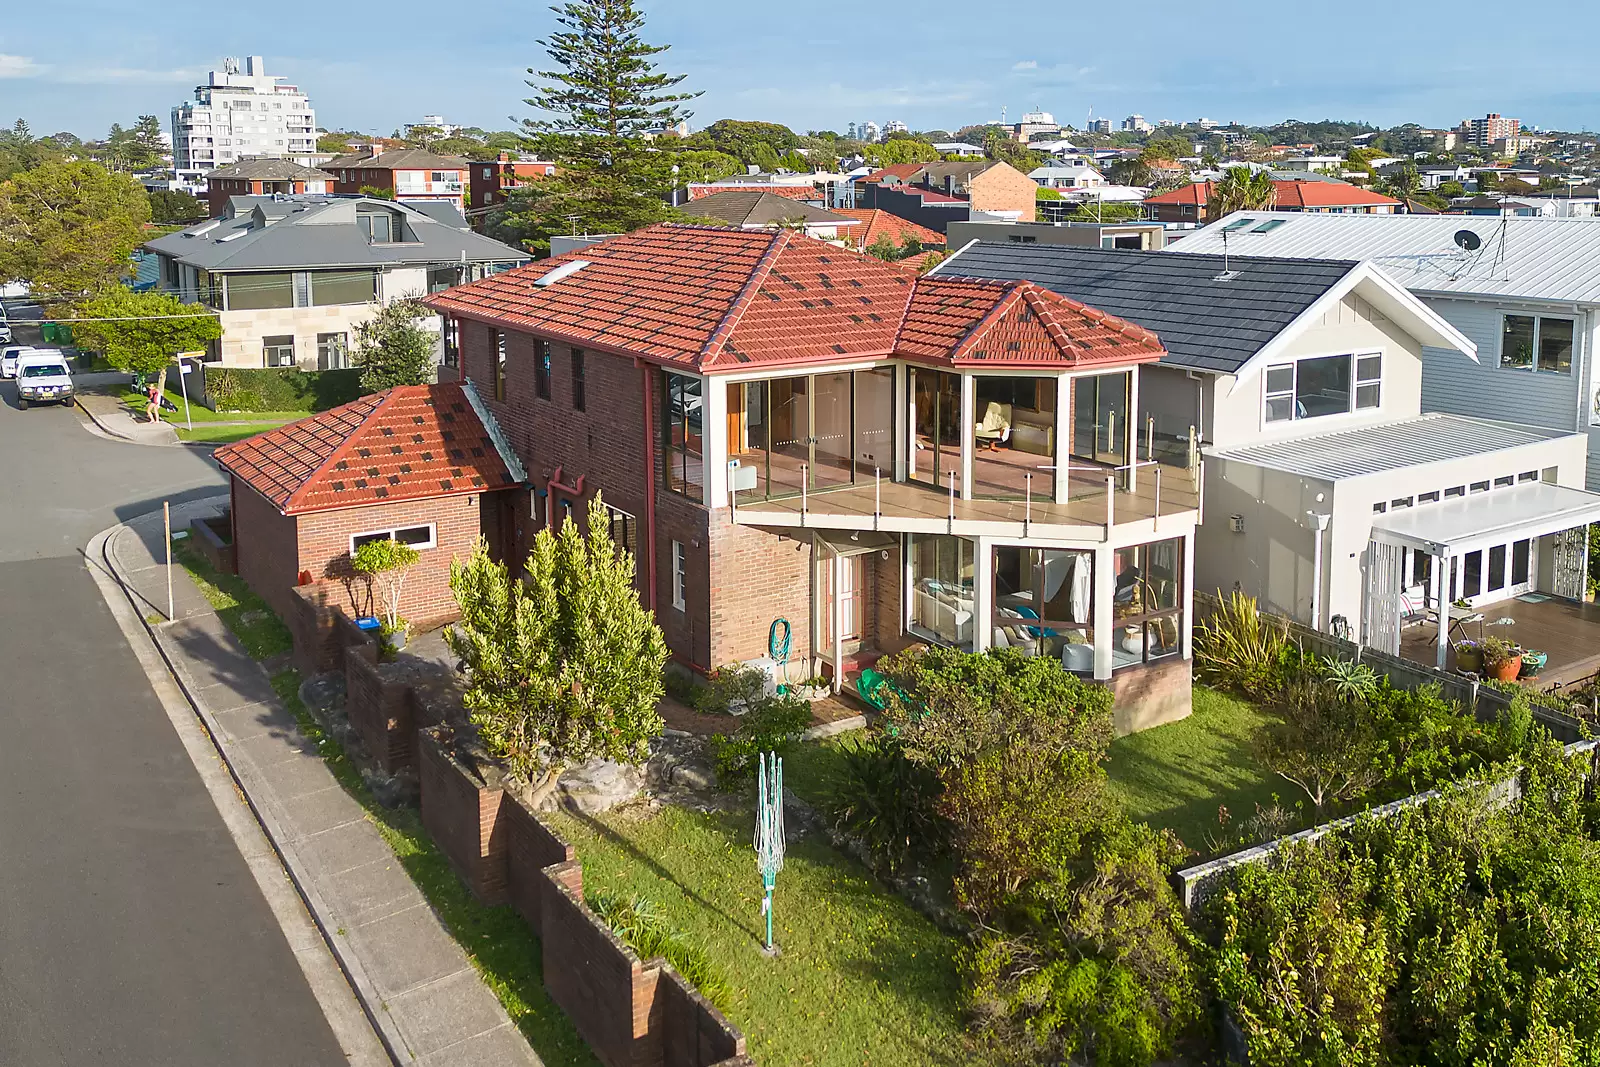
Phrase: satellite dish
x=1467 y=240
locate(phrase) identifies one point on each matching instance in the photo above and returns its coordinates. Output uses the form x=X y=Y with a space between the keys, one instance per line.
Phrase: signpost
x=183 y=382
x=769 y=829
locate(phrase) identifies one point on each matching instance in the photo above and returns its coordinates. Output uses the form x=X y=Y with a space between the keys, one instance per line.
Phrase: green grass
x=135 y=401
x=261 y=632
x=862 y=978
x=222 y=435
x=1176 y=776
x=497 y=941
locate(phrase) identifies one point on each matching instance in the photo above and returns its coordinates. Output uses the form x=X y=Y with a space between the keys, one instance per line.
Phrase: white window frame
x=679 y=600
x=1538 y=342
x=1356 y=383
x=432 y=528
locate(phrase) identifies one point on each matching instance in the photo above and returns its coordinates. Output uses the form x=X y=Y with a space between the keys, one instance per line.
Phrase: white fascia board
x=1425 y=324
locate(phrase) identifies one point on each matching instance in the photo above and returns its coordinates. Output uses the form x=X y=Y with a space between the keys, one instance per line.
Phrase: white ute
x=43 y=377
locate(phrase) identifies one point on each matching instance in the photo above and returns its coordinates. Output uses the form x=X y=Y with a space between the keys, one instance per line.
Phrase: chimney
x=505 y=157
x=374 y=150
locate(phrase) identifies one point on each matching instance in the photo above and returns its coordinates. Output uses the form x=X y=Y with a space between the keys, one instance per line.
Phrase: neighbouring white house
x=1526 y=291
x=1311 y=164
x=1078 y=177
x=1329 y=491
x=290 y=277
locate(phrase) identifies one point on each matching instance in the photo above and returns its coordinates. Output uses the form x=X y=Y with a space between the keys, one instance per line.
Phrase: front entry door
x=849 y=591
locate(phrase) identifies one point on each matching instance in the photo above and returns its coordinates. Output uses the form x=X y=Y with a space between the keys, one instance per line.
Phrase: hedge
x=279 y=389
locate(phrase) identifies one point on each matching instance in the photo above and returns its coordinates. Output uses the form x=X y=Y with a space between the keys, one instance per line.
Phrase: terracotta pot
x=1507 y=670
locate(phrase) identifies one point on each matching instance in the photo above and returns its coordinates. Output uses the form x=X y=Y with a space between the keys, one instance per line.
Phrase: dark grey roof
x=311 y=232
x=1204 y=323
x=267 y=169
x=743 y=207
x=444 y=211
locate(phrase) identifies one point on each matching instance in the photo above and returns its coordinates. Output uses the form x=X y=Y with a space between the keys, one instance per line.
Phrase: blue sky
x=82 y=64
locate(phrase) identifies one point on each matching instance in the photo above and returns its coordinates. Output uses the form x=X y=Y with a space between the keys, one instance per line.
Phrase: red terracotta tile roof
x=1290 y=195
x=710 y=298
x=903 y=171
x=981 y=323
x=877 y=222
x=407 y=443
x=791 y=192
x=929 y=196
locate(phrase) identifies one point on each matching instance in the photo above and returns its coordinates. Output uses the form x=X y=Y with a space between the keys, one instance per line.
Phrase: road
x=131 y=930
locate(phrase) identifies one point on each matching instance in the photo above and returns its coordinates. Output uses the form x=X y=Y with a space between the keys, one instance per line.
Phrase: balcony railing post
x=733 y=493
x=1194 y=449
x=877 y=496
x=1155 y=519
x=1150 y=437
x=805 y=477
x=1111 y=503
x=1027 y=501
x=1200 y=493
x=952 y=502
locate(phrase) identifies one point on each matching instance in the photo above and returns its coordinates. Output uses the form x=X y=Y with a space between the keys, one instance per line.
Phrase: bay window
x=1147 y=602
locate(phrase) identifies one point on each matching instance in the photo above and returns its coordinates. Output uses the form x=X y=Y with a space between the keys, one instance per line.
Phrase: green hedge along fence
x=278 y=389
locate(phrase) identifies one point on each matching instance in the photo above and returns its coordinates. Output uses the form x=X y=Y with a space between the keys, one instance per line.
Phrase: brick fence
x=217 y=552
x=632 y=1012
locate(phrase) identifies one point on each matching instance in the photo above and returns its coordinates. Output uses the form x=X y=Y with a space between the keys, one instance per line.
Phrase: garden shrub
x=280 y=389
x=1454 y=933
x=774 y=724
x=1238 y=648
x=641 y=925
x=730 y=686
x=888 y=803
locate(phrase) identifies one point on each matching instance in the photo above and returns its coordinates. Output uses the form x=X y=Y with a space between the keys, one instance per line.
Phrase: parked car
x=43 y=377
x=9 y=356
x=5 y=332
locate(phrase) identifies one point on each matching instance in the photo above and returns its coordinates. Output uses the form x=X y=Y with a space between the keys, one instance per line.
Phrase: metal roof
x=1530 y=509
x=1518 y=257
x=302 y=233
x=1388 y=446
x=1204 y=323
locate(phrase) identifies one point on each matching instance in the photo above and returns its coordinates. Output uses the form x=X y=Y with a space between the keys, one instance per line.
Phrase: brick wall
x=693 y=1032
x=531 y=847
x=324 y=550
x=1004 y=188
x=312 y=623
x=1143 y=697
x=212 y=547
x=462 y=814
x=380 y=711
x=756 y=577
x=265 y=548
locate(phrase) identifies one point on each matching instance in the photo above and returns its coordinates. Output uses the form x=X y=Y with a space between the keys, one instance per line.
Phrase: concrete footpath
x=113 y=418
x=413 y=981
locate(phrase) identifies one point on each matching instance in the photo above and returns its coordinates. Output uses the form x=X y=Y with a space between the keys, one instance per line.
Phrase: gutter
x=649 y=486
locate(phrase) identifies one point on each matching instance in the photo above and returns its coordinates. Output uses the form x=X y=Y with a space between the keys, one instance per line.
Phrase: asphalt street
x=131 y=930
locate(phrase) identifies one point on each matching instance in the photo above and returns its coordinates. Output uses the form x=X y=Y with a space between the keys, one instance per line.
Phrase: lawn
x=497 y=940
x=135 y=401
x=862 y=977
x=221 y=435
x=1176 y=776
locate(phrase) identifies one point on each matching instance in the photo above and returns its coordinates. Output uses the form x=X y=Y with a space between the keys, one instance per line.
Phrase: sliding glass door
x=1100 y=419
x=935 y=421
x=822 y=431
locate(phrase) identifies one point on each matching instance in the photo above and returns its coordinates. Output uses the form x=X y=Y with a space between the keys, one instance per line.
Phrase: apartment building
x=239 y=115
x=403 y=174
x=1484 y=132
x=490 y=181
x=789 y=433
x=262 y=177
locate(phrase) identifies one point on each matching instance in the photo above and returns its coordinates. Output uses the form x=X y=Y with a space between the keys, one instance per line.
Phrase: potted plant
x=385 y=563
x=814 y=688
x=1533 y=661
x=1469 y=657
x=1502 y=660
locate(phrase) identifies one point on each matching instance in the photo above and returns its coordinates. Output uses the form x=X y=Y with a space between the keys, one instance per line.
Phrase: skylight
x=1237 y=224
x=1269 y=225
x=566 y=270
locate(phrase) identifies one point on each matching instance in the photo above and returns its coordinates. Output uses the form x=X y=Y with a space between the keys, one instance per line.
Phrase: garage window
x=418 y=537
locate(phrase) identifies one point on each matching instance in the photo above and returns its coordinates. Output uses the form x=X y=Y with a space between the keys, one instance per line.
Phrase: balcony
x=1099 y=500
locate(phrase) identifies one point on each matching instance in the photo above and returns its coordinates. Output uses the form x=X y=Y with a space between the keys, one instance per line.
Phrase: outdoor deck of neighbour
x=1568 y=630
x=916 y=508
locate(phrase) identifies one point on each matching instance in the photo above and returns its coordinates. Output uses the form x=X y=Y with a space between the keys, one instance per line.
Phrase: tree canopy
x=393 y=349
x=67 y=230
x=143 y=332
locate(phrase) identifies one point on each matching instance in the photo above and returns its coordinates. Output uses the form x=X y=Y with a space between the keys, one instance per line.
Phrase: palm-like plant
x=1241 y=189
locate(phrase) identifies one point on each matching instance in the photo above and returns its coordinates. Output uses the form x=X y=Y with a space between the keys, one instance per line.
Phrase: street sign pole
x=166 y=518
x=183 y=383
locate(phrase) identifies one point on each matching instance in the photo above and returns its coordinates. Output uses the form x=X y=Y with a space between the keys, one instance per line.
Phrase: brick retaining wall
x=381 y=711
x=217 y=552
x=461 y=812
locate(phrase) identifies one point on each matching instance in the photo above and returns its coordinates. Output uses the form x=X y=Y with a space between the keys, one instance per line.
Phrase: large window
x=418 y=537
x=250 y=292
x=381 y=227
x=682 y=438
x=935 y=426
x=1324 y=385
x=1015 y=437
x=1147 y=604
x=830 y=430
x=278 y=351
x=941 y=589
x=1044 y=604
x=343 y=287
x=1536 y=342
x=499 y=337
x=541 y=368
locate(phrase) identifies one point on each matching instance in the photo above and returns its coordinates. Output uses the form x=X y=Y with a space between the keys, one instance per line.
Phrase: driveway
x=132 y=930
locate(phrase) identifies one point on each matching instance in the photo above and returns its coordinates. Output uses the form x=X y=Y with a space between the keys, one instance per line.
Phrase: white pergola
x=1451 y=528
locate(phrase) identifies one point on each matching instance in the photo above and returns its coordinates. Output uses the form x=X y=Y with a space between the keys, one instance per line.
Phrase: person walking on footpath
x=152 y=407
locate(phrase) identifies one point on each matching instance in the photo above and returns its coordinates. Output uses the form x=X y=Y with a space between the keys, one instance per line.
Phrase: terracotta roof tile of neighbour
x=411 y=442
x=701 y=297
x=969 y=322
x=1193 y=193
x=1290 y=195
x=876 y=222
x=903 y=171
x=697 y=190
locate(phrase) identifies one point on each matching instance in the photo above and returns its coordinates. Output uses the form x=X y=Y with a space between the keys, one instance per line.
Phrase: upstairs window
x=1536 y=342
x=541 y=369
x=682 y=452
x=499 y=364
x=579 y=399
x=1324 y=385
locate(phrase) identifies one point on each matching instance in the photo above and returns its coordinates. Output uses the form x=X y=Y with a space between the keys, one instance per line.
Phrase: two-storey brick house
x=794 y=437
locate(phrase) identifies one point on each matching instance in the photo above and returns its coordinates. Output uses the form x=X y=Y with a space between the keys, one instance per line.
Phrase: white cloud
x=19 y=67
x=1025 y=64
